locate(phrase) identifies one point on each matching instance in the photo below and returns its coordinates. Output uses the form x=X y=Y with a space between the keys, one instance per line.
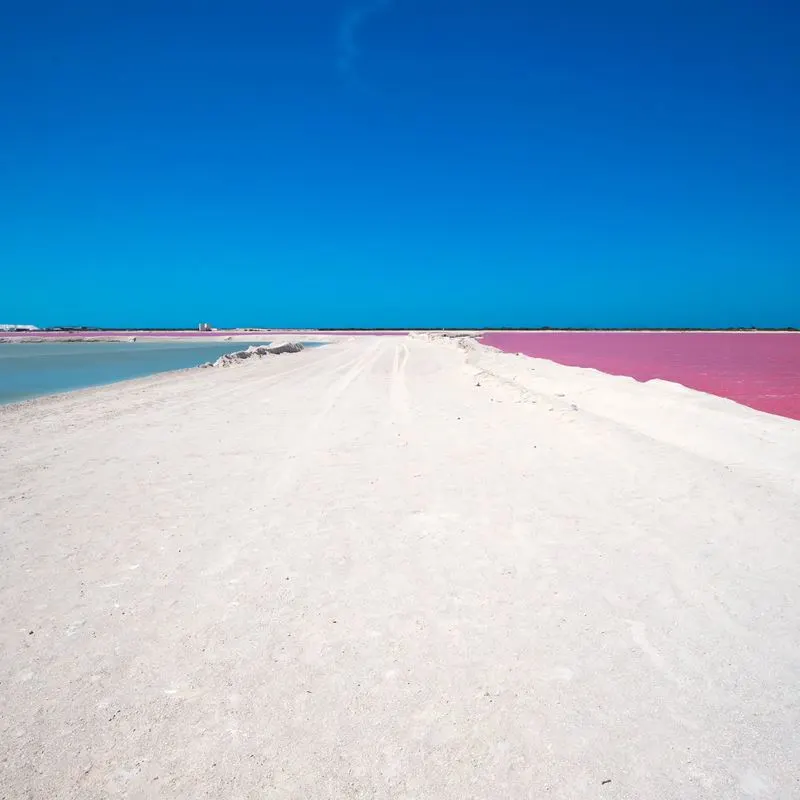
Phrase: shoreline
x=85 y=393
x=132 y=381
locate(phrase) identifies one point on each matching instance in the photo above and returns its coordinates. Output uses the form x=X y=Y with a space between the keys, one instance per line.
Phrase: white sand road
x=397 y=567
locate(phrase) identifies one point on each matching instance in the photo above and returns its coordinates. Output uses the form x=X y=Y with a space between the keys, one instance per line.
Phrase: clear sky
x=400 y=162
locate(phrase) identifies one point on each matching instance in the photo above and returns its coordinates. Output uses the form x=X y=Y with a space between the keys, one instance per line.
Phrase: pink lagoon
x=757 y=369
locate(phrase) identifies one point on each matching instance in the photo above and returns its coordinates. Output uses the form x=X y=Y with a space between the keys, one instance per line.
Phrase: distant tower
x=204 y=326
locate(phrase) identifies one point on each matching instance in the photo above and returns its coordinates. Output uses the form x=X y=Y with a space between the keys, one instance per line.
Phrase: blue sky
x=400 y=163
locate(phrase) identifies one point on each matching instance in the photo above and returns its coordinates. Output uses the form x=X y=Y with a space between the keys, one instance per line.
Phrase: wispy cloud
x=352 y=21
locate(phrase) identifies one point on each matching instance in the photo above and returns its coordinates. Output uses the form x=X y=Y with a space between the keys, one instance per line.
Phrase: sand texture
x=398 y=567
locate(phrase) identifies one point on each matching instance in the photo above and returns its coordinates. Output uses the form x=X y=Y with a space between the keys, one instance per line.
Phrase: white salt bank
x=398 y=567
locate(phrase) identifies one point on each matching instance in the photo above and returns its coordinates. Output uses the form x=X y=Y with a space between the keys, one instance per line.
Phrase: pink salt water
x=760 y=370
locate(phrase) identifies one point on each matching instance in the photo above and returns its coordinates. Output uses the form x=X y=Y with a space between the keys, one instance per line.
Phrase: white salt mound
x=255 y=351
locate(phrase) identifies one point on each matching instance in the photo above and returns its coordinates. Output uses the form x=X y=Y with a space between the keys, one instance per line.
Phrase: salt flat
x=398 y=567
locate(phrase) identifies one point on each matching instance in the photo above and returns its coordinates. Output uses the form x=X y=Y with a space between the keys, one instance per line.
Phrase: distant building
x=18 y=328
x=204 y=327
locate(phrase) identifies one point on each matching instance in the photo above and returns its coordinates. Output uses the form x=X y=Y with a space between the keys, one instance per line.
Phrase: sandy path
x=398 y=568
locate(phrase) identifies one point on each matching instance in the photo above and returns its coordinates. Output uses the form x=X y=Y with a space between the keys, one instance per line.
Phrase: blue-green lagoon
x=32 y=370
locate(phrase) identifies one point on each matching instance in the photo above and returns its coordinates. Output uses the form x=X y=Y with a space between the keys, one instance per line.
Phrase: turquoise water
x=32 y=370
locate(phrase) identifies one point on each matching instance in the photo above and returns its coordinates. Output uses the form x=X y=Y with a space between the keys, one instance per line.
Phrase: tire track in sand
x=398 y=389
x=295 y=459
